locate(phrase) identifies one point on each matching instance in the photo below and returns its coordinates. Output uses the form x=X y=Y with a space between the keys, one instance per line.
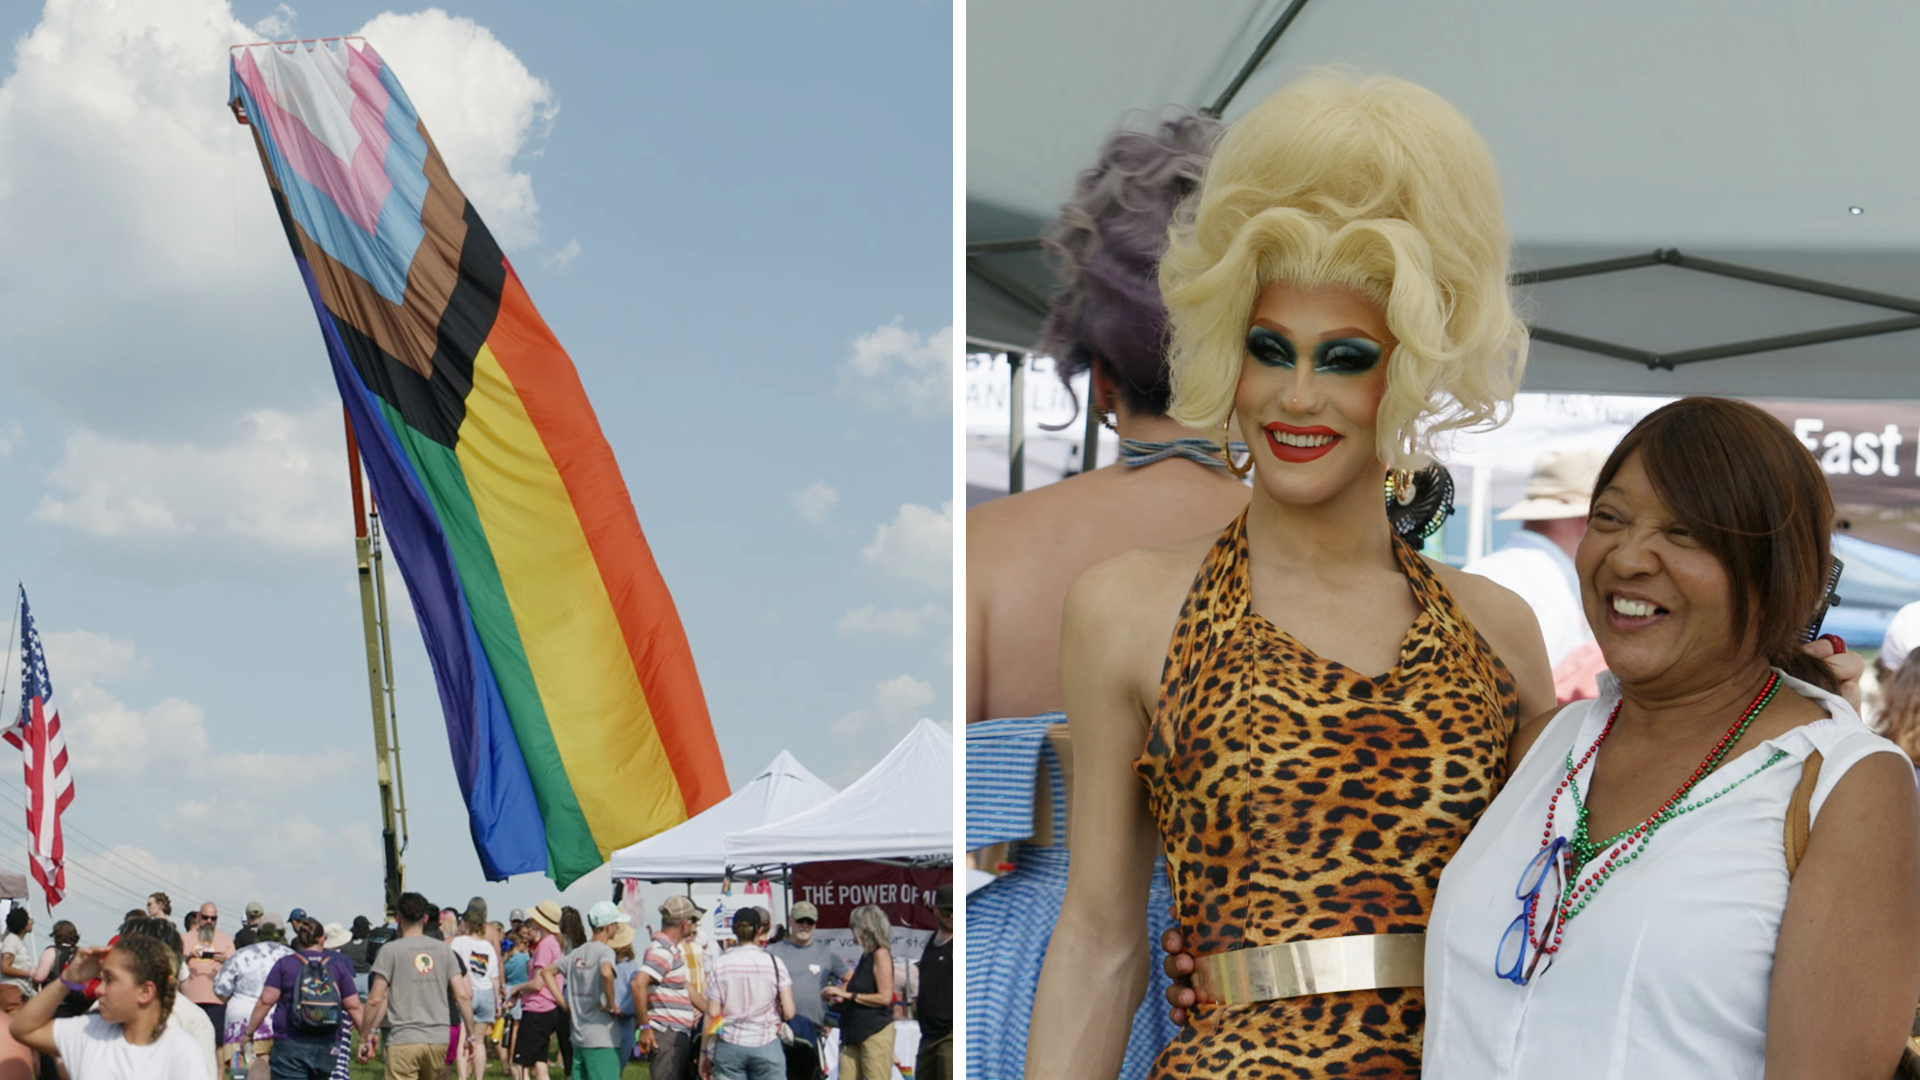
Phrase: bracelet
x=78 y=988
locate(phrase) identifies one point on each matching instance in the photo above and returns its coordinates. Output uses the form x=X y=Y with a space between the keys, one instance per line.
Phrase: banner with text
x=836 y=888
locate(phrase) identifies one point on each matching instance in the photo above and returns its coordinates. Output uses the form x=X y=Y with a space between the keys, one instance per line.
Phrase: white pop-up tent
x=901 y=809
x=694 y=850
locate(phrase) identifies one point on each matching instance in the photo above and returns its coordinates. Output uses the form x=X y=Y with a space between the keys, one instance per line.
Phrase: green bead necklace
x=1584 y=849
x=1627 y=845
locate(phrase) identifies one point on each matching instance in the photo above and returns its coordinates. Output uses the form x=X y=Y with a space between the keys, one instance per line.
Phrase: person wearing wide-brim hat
x=541 y=1019
x=1536 y=562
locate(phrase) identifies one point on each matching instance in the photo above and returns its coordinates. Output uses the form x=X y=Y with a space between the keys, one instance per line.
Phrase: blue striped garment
x=1010 y=922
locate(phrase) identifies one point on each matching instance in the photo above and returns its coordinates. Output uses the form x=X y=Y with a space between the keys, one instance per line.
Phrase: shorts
x=537 y=1030
x=416 y=1061
x=596 y=1063
x=483 y=1009
x=673 y=1053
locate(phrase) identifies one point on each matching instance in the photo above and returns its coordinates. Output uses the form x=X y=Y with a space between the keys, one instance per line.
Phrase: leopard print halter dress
x=1299 y=799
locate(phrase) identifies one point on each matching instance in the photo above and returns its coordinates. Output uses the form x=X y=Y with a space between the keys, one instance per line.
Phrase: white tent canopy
x=694 y=850
x=902 y=808
x=1618 y=129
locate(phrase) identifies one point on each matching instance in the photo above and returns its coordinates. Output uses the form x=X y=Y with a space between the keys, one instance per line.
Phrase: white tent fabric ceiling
x=1740 y=133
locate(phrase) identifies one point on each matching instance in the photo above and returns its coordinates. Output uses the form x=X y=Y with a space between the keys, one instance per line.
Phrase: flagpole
x=379 y=685
x=13 y=626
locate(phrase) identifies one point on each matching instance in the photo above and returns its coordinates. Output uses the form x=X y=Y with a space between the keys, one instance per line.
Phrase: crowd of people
x=444 y=989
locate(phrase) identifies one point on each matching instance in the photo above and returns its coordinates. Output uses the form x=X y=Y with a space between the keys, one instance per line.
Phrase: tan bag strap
x=1800 y=812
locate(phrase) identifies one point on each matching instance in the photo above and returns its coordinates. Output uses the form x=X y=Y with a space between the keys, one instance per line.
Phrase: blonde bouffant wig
x=1371 y=184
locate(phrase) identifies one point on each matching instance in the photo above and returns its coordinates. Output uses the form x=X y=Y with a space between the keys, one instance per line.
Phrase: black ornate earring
x=1418 y=503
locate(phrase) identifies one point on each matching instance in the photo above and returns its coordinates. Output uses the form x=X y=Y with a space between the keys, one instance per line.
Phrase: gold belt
x=1320 y=966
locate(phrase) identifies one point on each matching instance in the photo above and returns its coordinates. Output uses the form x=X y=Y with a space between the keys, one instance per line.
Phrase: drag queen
x=1338 y=296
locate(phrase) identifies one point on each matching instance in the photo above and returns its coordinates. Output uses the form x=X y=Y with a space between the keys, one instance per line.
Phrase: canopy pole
x=1017 y=425
x=1220 y=103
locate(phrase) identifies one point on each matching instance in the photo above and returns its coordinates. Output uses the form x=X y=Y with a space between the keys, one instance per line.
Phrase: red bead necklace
x=1623 y=848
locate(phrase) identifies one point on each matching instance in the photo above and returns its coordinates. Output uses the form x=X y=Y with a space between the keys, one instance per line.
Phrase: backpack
x=316 y=996
x=380 y=935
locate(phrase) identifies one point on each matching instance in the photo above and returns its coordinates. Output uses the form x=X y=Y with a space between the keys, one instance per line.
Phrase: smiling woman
x=1715 y=855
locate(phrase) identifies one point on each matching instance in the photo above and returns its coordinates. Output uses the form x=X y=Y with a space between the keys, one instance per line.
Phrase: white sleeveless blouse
x=1665 y=974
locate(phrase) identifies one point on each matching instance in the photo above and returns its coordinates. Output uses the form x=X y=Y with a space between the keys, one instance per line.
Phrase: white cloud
x=915 y=547
x=85 y=656
x=563 y=258
x=894 y=368
x=281 y=483
x=815 y=500
x=893 y=622
x=896 y=705
x=11 y=436
x=481 y=104
x=277 y=26
x=145 y=263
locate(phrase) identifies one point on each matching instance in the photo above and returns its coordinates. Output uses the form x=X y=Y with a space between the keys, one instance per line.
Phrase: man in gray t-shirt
x=410 y=983
x=811 y=964
x=588 y=971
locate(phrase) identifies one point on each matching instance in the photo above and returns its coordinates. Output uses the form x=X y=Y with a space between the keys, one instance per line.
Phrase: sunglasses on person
x=1511 y=961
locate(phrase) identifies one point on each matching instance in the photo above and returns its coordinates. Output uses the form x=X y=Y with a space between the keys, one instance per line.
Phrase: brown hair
x=1900 y=709
x=1752 y=495
x=307 y=933
x=152 y=962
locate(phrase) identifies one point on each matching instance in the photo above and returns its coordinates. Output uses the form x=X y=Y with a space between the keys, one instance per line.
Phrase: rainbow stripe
x=575 y=716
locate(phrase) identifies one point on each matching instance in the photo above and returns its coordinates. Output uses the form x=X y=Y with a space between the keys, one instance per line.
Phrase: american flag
x=49 y=778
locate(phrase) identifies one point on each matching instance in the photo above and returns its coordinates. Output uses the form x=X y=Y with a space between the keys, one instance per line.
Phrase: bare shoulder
x=1510 y=629
x=1878 y=788
x=1138 y=582
x=1120 y=613
x=1494 y=609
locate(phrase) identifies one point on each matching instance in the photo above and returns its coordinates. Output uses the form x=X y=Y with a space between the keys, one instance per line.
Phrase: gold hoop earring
x=1226 y=450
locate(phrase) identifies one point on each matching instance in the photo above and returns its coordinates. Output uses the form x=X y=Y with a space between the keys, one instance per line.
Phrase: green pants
x=596 y=1063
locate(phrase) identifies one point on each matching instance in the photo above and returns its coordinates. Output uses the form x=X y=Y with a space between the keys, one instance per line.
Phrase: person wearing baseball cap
x=666 y=1006
x=249 y=931
x=1536 y=562
x=592 y=1003
x=813 y=967
x=752 y=994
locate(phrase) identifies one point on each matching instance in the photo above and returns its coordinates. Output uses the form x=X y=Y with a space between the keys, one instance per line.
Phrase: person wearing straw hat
x=1536 y=562
x=540 y=1016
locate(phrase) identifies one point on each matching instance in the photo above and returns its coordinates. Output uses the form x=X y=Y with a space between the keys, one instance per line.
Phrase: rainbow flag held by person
x=575 y=716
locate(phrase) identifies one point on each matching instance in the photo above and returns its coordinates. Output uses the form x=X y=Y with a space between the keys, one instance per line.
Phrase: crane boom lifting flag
x=575 y=716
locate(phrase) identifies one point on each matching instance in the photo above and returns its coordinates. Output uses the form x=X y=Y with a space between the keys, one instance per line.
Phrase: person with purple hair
x=1025 y=550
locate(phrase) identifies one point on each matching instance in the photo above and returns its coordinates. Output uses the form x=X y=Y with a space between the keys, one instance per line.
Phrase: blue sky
x=738 y=219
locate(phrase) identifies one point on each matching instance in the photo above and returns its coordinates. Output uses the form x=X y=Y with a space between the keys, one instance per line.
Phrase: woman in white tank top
x=1666 y=936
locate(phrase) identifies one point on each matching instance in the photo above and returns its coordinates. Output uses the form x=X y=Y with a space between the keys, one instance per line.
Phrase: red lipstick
x=1299 y=454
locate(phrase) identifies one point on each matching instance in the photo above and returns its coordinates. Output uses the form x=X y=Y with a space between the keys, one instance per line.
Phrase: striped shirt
x=669 y=1008
x=1003 y=757
x=744 y=985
